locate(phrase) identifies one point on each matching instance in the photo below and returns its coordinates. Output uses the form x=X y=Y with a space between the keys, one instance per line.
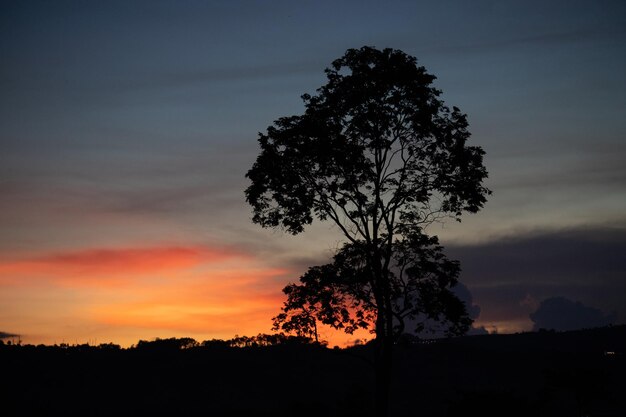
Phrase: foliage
x=263 y=340
x=375 y=151
x=171 y=343
x=341 y=294
x=260 y=340
x=379 y=154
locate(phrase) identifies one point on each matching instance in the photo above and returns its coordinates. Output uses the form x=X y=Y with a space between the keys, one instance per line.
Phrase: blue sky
x=132 y=124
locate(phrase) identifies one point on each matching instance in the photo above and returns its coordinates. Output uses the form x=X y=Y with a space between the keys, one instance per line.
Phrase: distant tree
x=263 y=340
x=167 y=345
x=380 y=155
x=216 y=343
x=109 y=346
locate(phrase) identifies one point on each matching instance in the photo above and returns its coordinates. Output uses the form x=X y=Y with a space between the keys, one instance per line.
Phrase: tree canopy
x=375 y=151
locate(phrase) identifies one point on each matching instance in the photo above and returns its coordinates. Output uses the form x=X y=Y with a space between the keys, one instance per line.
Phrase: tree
x=341 y=294
x=379 y=154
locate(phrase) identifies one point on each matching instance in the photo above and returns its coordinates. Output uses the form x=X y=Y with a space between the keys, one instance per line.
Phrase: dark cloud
x=560 y=313
x=473 y=310
x=476 y=331
x=5 y=335
x=221 y=75
x=465 y=295
x=433 y=329
x=601 y=170
x=507 y=274
x=546 y=38
x=583 y=256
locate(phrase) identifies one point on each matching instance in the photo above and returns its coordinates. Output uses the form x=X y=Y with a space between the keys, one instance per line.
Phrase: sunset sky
x=126 y=129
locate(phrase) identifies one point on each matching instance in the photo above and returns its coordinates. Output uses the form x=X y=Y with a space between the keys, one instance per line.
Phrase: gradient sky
x=126 y=129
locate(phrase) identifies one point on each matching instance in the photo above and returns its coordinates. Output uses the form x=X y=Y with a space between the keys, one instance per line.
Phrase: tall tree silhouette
x=380 y=155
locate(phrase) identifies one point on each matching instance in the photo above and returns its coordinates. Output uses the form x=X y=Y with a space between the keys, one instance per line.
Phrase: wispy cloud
x=546 y=38
x=91 y=266
x=596 y=169
x=218 y=75
x=134 y=259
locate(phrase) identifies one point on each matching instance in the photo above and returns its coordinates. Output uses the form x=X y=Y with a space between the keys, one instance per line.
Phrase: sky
x=127 y=127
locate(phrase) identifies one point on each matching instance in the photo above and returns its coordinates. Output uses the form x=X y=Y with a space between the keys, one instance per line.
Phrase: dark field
x=580 y=373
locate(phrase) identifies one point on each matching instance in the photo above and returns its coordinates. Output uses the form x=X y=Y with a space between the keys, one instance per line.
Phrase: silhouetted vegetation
x=539 y=374
x=379 y=154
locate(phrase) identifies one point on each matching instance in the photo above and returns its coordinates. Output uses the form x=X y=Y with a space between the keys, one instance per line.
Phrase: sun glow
x=124 y=294
x=121 y=295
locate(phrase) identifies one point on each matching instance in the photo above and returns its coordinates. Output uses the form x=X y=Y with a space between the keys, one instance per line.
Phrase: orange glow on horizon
x=101 y=293
x=505 y=326
x=122 y=295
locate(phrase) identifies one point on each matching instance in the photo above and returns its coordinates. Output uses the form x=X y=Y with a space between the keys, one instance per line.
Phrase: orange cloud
x=131 y=260
x=112 y=264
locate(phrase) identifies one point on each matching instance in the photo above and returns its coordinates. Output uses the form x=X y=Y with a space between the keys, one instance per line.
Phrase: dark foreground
x=535 y=374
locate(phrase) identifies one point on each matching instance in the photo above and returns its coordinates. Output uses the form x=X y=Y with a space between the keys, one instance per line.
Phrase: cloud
x=603 y=169
x=473 y=310
x=220 y=75
x=544 y=39
x=560 y=313
x=434 y=329
x=477 y=331
x=581 y=256
x=464 y=294
x=107 y=260
x=5 y=335
x=508 y=275
x=98 y=266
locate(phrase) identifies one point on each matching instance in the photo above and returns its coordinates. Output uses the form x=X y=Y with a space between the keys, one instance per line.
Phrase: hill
x=539 y=374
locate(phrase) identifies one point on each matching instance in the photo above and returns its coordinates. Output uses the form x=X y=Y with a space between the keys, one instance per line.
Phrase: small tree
x=379 y=154
x=341 y=294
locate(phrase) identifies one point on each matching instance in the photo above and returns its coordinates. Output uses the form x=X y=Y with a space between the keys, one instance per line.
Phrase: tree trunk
x=384 y=356
x=384 y=337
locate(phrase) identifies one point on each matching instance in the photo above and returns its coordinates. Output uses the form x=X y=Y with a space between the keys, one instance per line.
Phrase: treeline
x=182 y=343
x=537 y=374
x=260 y=340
